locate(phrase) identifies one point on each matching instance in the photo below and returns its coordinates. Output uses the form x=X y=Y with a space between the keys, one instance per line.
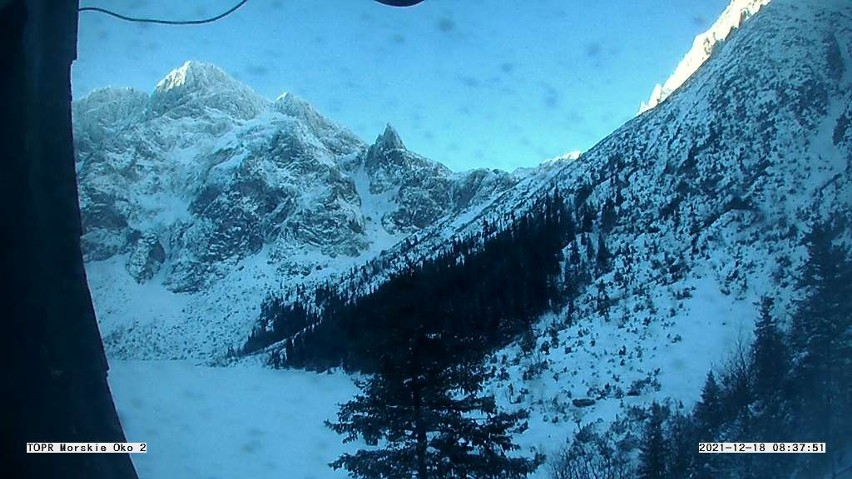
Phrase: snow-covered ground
x=241 y=422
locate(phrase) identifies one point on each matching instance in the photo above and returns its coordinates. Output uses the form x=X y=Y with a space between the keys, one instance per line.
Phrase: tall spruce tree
x=769 y=354
x=821 y=341
x=709 y=411
x=708 y=417
x=653 y=451
x=682 y=451
x=425 y=413
x=770 y=364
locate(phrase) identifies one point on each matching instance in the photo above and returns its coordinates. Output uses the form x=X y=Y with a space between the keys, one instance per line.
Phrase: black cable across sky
x=161 y=21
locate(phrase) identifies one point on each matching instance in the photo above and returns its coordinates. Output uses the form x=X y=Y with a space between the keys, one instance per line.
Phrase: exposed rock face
x=420 y=188
x=478 y=186
x=146 y=257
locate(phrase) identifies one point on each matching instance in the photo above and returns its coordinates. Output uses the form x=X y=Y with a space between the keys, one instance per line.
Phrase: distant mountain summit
x=196 y=88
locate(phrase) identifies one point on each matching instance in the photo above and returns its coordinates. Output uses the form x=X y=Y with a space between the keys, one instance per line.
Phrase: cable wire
x=164 y=22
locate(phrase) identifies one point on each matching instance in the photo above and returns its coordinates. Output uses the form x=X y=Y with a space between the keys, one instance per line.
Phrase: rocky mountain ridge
x=737 y=12
x=185 y=186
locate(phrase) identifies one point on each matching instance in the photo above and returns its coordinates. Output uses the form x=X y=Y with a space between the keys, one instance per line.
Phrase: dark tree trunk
x=55 y=373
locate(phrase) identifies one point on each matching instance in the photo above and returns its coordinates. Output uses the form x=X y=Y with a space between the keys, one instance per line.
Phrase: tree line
x=488 y=288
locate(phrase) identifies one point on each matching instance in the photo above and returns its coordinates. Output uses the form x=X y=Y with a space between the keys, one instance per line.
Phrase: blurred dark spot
x=446 y=25
x=551 y=96
x=463 y=109
x=398 y=38
x=593 y=49
x=201 y=11
x=319 y=40
x=257 y=70
x=276 y=4
x=699 y=21
x=469 y=81
x=152 y=46
x=250 y=447
x=507 y=67
x=526 y=141
x=611 y=52
x=608 y=116
x=429 y=135
x=508 y=90
x=573 y=116
x=102 y=35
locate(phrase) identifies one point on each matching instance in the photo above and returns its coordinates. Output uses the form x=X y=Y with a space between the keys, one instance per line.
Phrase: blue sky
x=470 y=83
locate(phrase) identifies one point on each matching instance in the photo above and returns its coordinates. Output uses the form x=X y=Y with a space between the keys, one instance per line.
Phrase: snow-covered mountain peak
x=196 y=75
x=107 y=110
x=295 y=106
x=390 y=140
x=731 y=19
x=196 y=86
x=335 y=137
x=389 y=152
